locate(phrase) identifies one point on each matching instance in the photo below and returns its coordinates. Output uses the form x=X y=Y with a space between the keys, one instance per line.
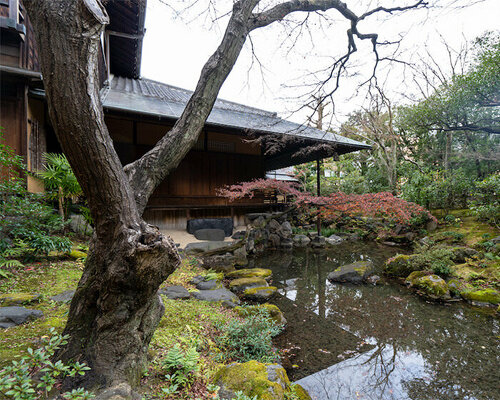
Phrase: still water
x=379 y=342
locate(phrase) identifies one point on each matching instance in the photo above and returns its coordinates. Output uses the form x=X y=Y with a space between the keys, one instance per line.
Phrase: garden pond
x=379 y=342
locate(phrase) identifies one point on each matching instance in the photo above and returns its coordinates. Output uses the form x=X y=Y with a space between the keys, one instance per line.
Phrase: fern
x=182 y=364
x=7 y=263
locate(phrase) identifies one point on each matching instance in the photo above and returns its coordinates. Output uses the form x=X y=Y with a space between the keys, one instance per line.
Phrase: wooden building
x=139 y=112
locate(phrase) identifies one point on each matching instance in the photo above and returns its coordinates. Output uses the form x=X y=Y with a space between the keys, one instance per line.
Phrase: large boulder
x=259 y=294
x=356 y=273
x=17 y=299
x=13 y=316
x=241 y=284
x=226 y=224
x=175 y=292
x=250 y=273
x=254 y=379
x=212 y=235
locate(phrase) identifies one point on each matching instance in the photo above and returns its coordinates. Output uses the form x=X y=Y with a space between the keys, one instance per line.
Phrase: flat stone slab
x=175 y=292
x=64 y=297
x=223 y=295
x=213 y=235
x=226 y=224
x=356 y=273
x=202 y=247
x=17 y=299
x=13 y=316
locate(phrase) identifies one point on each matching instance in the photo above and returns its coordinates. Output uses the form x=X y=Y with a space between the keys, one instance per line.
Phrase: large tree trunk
x=116 y=308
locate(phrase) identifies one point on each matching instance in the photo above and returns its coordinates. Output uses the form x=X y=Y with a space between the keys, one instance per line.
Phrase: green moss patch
x=265 y=381
x=16 y=299
x=250 y=273
x=484 y=296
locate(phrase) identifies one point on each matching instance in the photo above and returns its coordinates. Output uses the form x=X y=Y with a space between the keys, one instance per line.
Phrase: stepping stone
x=250 y=273
x=13 y=316
x=212 y=235
x=260 y=294
x=242 y=284
x=64 y=297
x=223 y=295
x=17 y=299
x=175 y=292
x=202 y=247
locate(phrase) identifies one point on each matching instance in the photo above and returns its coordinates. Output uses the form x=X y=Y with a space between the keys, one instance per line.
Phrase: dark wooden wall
x=218 y=159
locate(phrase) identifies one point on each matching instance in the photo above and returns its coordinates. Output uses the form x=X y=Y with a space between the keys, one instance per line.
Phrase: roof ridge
x=218 y=100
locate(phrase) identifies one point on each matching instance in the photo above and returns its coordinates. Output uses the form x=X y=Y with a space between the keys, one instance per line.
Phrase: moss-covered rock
x=355 y=273
x=17 y=299
x=456 y=286
x=77 y=254
x=265 y=381
x=242 y=284
x=460 y=254
x=433 y=286
x=273 y=311
x=415 y=276
x=250 y=273
x=491 y=296
x=399 y=265
x=260 y=294
x=299 y=392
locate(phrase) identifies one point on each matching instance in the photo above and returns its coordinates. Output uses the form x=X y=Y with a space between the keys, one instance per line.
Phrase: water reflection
x=383 y=342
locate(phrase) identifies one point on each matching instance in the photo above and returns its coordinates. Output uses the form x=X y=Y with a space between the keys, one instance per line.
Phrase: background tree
x=116 y=308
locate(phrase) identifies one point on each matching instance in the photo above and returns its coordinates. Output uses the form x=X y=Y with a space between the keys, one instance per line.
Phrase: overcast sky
x=177 y=46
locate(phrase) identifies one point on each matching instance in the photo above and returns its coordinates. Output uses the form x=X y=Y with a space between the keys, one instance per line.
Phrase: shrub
x=60 y=181
x=35 y=375
x=486 y=205
x=26 y=222
x=248 y=339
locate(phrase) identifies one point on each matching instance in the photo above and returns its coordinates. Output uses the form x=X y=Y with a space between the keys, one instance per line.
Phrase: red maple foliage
x=338 y=205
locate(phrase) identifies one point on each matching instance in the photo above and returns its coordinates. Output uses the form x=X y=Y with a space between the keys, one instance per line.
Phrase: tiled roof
x=144 y=96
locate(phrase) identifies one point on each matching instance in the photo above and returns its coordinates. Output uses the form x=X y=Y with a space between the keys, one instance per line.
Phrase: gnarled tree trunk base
x=116 y=308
